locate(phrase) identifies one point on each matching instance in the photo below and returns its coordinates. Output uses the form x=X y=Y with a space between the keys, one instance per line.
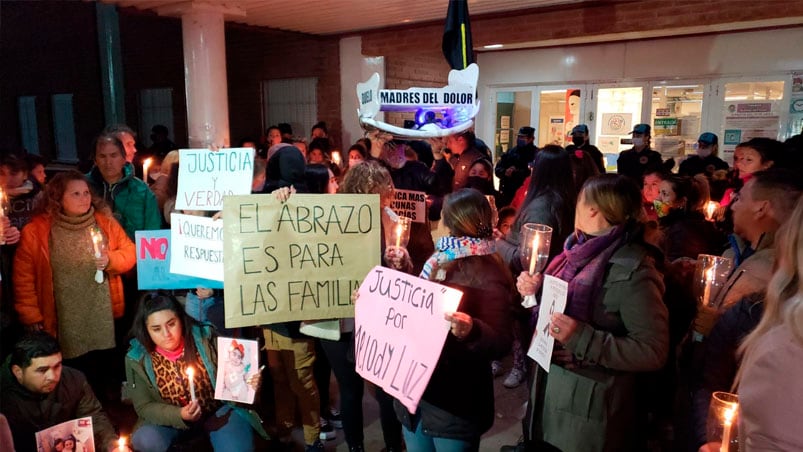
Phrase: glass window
x=675 y=117
x=559 y=112
x=513 y=111
x=752 y=109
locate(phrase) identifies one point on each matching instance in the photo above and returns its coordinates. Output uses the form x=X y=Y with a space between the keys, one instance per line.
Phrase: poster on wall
x=748 y=119
x=572 y=112
x=616 y=123
x=556 y=132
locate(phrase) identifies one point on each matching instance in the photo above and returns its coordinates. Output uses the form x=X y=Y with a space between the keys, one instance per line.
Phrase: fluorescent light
x=493 y=46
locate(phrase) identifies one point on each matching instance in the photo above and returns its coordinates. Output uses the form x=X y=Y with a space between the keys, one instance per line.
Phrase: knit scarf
x=451 y=248
x=583 y=264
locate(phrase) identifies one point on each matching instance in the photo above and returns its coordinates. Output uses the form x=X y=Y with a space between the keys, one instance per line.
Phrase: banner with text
x=410 y=204
x=206 y=176
x=153 y=265
x=297 y=260
x=198 y=242
x=399 y=331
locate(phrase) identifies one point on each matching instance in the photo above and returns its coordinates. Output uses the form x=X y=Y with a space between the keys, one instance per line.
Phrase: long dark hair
x=553 y=175
x=316 y=176
x=155 y=302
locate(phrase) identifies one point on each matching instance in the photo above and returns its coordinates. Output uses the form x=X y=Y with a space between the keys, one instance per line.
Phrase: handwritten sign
x=298 y=260
x=410 y=204
x=399 y=331
x=206 y=176
x=553 y=299
x=198 y=242
x=153 y=264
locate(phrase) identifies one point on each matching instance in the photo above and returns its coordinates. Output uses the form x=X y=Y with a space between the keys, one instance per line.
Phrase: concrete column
x=206 y=87
x=111 y=63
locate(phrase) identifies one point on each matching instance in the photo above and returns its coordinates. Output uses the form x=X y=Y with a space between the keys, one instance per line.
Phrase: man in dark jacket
x=635 y=161
x=38 y=393
x=580 y=143
x=514 y=166
x=464 y=152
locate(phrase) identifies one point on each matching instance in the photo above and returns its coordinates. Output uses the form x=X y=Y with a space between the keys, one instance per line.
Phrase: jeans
x=421 y=442
x=227 y=430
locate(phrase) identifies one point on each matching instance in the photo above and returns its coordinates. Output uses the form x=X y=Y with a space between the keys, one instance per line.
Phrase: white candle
x=726 y=430
x=96 y=241
x=190 y=375
x=145 y=165
x=709 y=280
x=399 y=231
x=534 y=255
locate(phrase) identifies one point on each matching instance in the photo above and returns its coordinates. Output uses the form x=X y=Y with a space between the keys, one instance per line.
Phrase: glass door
x=513 y=111
x=559 y=110
x=617 y=109
x=676 y=116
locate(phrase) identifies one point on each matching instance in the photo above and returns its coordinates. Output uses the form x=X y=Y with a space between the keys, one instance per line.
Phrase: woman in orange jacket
x=67 y=273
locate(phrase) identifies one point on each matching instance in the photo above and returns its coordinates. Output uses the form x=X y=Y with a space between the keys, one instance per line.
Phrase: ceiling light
x=493 y=46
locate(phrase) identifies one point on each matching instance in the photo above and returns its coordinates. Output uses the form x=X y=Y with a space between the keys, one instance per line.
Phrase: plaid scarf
x=583 y=263
x=451 y=248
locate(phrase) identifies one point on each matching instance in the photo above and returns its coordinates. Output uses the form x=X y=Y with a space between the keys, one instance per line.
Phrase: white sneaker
x=514 y=378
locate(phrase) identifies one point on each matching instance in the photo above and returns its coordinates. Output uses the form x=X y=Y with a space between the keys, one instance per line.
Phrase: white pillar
x=204 y=37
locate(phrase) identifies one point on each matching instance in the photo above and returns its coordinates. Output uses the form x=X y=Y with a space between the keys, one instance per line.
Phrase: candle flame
x=147 y=163
x=710 y=208
x=121 y=443
x=336 y=157
x=729 y=413
x=190 y=372
x=709 y=272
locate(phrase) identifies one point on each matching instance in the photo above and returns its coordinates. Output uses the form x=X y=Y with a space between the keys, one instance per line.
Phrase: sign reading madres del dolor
x=297 y=260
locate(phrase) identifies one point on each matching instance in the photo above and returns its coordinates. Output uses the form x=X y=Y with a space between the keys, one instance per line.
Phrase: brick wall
x=44 y=54
x=256 y=54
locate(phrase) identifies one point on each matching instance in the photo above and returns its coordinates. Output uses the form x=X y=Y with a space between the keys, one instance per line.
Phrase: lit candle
x=121 y=444
x=399 y=230
x=336 y=157
x=709 y=280
x=710 y=208
x=145 y=165
x=97 y=239
x=2 y=214
x=190 y=375
x=534 y=255
x=726 y=430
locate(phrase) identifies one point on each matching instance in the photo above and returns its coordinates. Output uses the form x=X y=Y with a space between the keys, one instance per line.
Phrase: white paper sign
x=553 y=299
x=197 y=246
x=410 y=204
x=206 y=176
x=238 y=360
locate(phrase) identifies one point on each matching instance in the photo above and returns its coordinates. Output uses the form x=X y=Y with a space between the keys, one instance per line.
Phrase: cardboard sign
x=206 y=176
x=399 y=331
x=553 y=299
x=238 y=360
x=298 y=260
x=198 y=242
x=79 y=431
x=153 y=264
x=410 y=204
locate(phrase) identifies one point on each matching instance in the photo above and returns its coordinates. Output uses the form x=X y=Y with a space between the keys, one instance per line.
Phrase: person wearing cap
x=514 y=166
x=706 y=160
x=638 y=159
x=580 y=143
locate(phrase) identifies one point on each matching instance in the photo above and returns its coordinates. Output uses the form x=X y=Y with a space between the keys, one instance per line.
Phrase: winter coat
x=688 y=235
x=458 y=402
x=143 y=391
x=29 y=413
x=593 y=406
x=133 y=203
x=35 y=300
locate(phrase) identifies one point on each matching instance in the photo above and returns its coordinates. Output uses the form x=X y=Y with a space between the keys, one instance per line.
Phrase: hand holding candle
x=534 y=252
x=400 y=233
x=722 y=421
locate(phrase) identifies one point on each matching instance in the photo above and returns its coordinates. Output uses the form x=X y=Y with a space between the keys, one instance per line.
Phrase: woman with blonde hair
x=770 y=392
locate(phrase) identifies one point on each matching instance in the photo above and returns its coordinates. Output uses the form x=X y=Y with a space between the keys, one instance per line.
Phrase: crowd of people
x=637 y=354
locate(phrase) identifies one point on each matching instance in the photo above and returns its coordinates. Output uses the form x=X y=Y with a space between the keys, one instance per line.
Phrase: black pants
x=341 y=357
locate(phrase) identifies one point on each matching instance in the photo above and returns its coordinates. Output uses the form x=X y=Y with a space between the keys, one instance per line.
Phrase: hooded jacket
x=133 y=203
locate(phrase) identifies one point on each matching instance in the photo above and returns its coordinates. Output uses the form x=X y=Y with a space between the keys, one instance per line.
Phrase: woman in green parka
x=614 y=327
x=166 y=344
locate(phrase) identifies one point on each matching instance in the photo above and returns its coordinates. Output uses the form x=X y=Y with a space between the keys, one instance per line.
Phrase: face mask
x=578 y=141
x=521 y=143
x=704 y=152
x=661 y=208
x=638 y=142
x=353 y=162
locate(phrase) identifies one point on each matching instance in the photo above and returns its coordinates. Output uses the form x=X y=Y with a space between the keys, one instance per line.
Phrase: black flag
x=457 y=47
